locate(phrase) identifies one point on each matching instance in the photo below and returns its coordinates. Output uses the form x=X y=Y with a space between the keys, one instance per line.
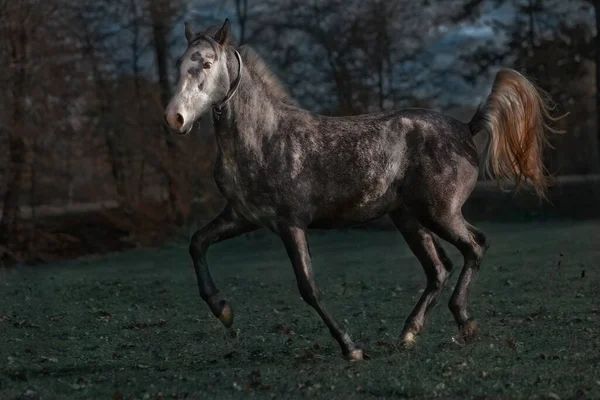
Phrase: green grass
x=132 y=325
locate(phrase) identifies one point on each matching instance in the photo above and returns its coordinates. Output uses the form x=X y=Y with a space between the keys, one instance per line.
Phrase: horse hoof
x=468 y=331
x=355 y=355
x=408 y=340
x=226 y=316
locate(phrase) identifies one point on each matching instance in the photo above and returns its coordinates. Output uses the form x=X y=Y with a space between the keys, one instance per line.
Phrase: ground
x=132 y=325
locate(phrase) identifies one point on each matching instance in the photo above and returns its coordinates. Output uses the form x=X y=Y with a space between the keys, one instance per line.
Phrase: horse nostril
x=180 y=120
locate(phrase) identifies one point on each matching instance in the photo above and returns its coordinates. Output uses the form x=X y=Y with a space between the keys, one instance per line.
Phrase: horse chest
x=228 y=178
x=237 y=182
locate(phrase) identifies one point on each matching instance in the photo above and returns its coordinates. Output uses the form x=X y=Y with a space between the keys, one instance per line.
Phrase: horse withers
x=287 y=169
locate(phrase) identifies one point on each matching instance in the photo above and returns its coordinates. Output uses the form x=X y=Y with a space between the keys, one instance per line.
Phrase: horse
x=289 y=170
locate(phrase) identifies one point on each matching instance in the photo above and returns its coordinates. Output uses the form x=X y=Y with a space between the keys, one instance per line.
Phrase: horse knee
x=198 y=244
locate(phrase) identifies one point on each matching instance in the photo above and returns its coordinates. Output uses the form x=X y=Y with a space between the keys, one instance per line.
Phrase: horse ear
x=222 y=36
x=189 y=32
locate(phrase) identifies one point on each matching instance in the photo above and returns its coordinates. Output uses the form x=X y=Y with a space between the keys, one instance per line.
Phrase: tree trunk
x=531 y=12
x=10 y=216
x=102 y=91
x=596 y=4
x=19 y=57
x=135 y=67
x=159 y=35
x=32 y=250
x=241 y=8
x=159 y=13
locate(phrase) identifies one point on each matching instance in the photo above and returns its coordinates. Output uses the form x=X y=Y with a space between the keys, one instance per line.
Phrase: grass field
x=132 y=325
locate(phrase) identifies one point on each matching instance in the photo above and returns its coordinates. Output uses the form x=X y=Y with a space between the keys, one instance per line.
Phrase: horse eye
x=207 y=65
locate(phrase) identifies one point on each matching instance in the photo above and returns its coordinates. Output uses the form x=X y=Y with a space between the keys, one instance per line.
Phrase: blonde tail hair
x=516 y=116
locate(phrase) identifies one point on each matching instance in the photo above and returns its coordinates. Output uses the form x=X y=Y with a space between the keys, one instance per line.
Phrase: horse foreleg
x=296 y=245
x=225 y=226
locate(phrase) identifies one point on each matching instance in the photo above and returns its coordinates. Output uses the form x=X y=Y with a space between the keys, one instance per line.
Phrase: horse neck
x=250 y=115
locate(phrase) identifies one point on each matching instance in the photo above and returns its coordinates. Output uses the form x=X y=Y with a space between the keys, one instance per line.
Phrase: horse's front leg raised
x=296 y=245
x=226 y=225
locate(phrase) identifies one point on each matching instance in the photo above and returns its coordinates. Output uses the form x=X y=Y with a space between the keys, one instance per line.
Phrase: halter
x=218 y=108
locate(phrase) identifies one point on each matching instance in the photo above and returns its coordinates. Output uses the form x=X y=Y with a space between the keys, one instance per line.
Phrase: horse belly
x=356 y=209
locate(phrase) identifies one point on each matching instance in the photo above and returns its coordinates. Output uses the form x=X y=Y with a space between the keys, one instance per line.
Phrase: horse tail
x=515 y=117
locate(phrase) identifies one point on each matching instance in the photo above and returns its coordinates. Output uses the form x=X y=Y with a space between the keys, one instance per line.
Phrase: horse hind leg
x=436 y=200
x=436 y=264
x=473 y=244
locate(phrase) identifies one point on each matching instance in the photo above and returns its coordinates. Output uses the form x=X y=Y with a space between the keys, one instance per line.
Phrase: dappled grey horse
x=287 y=169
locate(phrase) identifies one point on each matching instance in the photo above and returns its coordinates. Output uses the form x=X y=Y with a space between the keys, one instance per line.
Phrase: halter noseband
x=218 y=108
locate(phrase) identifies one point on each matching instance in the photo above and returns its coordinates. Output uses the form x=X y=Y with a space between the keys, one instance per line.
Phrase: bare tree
x=87 y=83
x=596 y=6
x=161 y=14
x=241 y=11
x=359 y=56
x=17 y=26
x=558 y=54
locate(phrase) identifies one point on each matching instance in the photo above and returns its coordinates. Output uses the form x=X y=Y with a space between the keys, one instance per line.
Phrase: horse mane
x=255 y=65
x=259 y=69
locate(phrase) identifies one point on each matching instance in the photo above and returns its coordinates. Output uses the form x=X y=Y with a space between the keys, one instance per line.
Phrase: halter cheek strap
x=218 y=108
